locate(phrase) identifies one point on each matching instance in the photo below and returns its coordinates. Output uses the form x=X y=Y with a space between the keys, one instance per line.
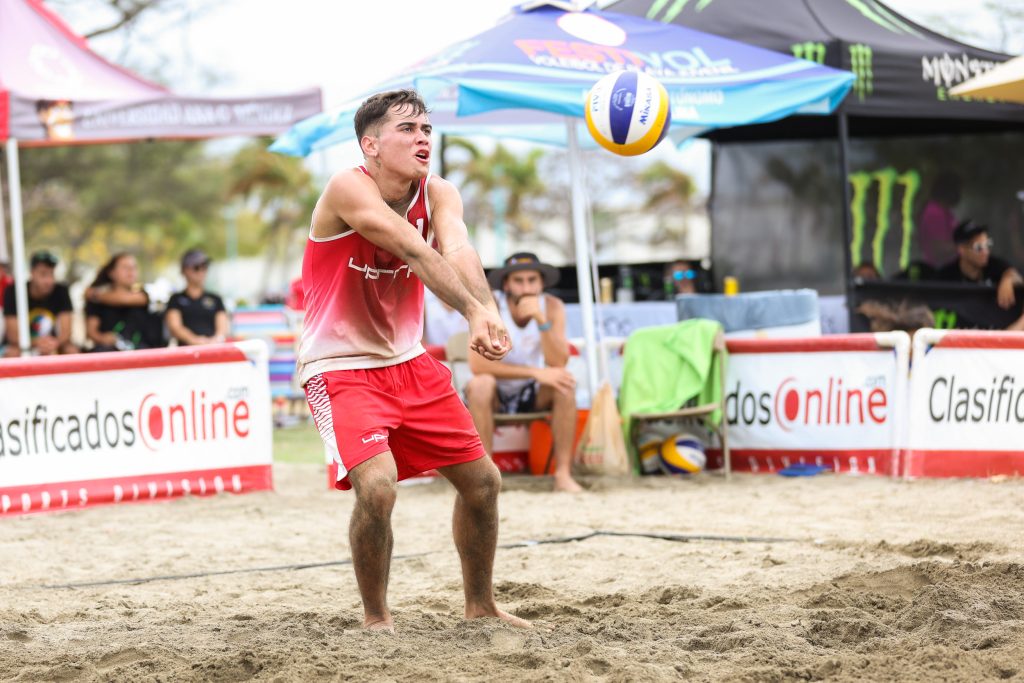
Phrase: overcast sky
x=348 y=46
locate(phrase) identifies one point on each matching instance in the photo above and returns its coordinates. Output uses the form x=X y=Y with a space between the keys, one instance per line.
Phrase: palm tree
x=279 y=192
x=499 y=185
x=670 y=195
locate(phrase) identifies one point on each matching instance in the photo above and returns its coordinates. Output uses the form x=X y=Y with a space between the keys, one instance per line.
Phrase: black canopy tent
x=904 y=73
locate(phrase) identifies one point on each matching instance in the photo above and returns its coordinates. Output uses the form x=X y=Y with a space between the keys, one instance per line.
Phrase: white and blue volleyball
x=628 y=112
x=683 y=453
x=648 y=445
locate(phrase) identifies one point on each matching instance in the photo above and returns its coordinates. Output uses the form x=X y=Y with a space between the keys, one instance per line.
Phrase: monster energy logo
x=673 y=8
x=945 y=319
x=887 y=179
x=860 y=65
x=811 y=51
x=872 y=10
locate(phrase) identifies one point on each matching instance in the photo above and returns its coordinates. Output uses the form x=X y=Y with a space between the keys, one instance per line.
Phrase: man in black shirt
x=975 y=264
x=194 y=315
x=49 y=311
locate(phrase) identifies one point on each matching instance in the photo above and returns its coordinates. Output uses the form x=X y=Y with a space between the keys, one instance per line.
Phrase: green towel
x=667 y=365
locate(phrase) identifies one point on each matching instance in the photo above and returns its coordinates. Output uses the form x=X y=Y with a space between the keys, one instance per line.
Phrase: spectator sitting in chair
x=117 y=316
x=681 y=278
x=533 y=376
x=975 y=264
x=195 y=315
x=49 y=311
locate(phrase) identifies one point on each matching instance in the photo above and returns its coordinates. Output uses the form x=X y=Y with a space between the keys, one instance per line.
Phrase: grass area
x=300 y=443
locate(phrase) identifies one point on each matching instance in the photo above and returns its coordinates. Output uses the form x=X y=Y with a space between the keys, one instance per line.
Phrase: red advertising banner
x=966 y=413
x=131 y=426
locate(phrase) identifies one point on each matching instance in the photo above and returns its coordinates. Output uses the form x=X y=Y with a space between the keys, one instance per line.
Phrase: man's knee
x=480 y=390
x=376 y=492
x=564 y=402
x=484 y=488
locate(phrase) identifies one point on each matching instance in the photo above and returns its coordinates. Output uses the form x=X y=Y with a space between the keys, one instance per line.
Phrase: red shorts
x=410 y=409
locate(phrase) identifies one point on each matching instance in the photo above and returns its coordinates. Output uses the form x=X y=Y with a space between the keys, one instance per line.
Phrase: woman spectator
x=117 y=309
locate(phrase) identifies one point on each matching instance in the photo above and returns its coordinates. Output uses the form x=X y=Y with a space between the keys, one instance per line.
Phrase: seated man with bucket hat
x=533 y=376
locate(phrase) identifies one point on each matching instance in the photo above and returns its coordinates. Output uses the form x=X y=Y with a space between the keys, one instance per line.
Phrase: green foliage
x=156 y=199
x=152 y=199
x=481 y=175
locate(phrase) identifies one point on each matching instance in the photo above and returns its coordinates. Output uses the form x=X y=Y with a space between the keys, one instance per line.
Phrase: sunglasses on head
x=684 y=275
x=984 y=245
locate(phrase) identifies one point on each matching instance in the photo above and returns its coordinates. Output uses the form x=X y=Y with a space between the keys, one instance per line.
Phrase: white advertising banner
x=836 y=401
x=966 y=411
x=116 y=427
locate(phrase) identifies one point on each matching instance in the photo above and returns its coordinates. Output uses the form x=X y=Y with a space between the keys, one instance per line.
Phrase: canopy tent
x=905 y=74
x=55 y=91
x=904 y=70
x=1004 y=82
x=528 y=77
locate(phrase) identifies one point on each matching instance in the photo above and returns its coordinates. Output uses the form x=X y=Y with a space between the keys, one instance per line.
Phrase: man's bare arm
x=553 y=341
x=176 y=326
x=64 y=327
x=453 y=240
x=356 y=200
x=11 y=330
x=114 y=297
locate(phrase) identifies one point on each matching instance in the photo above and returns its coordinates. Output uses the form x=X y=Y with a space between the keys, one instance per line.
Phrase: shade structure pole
x=18 y=246
x=844 y=197
x=5 y=256
x=582 y=248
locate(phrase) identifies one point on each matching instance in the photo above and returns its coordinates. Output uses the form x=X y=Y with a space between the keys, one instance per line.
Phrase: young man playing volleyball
x=384 y=408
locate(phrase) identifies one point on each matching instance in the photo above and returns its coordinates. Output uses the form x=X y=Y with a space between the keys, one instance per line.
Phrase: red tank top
x=364 y=305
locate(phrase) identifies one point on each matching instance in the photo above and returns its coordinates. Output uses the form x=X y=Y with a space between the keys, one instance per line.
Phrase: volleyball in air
x=683 y=454
x=628 y=112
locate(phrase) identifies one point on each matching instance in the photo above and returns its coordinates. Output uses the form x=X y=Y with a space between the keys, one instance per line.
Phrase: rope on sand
x=679 y=538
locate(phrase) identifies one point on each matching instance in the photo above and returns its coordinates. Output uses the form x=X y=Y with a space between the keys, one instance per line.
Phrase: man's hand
x=487 y=334
x=47 y=346
x=526 y=307
x=1004 y=293
x=560 y=379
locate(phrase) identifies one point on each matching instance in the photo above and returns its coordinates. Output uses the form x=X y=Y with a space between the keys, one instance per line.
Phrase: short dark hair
x=43 y=257
x=967 y=231
x=375 y=109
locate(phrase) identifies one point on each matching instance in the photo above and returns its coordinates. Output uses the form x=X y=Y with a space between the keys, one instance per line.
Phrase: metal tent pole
x=5 y=256
x=18 y=246
x=844 y=197
x=582 y=248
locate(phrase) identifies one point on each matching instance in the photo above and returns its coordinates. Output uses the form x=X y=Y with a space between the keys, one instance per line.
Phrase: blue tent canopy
x=519 y=78
x=528 y=78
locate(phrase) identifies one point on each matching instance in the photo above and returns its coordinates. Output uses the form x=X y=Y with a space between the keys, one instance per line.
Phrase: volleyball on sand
x=648 y=445
x=683 y=453
x=628 y=112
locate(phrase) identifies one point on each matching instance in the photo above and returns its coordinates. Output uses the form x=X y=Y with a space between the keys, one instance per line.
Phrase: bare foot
x=565 y=483
x=380 y=625
x=500 y=614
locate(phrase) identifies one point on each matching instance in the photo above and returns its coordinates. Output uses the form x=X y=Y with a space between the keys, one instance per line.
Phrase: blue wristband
x=545 y=327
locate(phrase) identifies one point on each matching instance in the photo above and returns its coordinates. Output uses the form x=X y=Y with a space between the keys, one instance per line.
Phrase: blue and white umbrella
x=527 y=78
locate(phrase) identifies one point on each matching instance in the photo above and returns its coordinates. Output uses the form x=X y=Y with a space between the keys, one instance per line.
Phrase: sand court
x=852 y=578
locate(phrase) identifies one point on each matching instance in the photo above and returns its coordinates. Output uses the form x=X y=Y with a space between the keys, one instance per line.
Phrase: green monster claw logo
x=872 y=10
x=675 y=7
x=887 y=180
x=944 y=319
x=860 y=65
x=811 y=51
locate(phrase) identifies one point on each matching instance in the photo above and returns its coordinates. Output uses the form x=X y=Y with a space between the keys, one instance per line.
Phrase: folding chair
x=700 y=412
x=457 y=354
